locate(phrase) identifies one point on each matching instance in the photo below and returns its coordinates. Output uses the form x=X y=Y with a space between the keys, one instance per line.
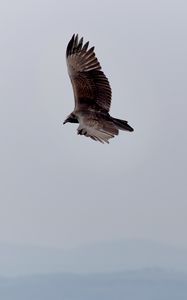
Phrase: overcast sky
x=61 y=189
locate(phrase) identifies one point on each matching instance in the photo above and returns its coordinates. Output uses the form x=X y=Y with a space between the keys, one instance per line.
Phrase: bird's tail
x=122 y=125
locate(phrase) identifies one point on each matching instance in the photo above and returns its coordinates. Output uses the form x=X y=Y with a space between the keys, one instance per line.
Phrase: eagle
x=92 y=93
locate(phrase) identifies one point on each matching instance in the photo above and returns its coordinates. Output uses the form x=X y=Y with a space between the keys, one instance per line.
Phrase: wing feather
x=89 y=83
x=97 y=128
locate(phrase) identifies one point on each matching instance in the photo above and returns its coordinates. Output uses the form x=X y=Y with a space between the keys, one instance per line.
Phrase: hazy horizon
x=96 y=258
x=146 y=285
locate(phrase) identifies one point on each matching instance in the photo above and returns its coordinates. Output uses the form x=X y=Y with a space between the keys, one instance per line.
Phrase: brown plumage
x=92 y=93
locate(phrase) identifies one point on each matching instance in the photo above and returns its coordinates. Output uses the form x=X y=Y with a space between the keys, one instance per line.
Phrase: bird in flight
x=92 y=93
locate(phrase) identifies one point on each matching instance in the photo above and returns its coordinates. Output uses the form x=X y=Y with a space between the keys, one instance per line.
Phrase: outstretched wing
x=98 y=128
x=90 y=85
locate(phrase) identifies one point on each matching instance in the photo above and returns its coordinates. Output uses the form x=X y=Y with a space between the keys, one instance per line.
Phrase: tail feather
x=122 y=124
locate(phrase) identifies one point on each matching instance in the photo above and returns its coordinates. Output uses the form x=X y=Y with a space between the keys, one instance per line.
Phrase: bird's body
x=92 y=94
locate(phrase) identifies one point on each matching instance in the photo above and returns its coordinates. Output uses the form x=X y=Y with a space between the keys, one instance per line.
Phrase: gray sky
x=60 y=189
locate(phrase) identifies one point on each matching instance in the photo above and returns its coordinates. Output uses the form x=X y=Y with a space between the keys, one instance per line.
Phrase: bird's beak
x=64 y=122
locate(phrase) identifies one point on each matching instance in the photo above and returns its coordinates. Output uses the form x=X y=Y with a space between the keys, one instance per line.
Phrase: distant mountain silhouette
x=112 y=256
x=131 y=285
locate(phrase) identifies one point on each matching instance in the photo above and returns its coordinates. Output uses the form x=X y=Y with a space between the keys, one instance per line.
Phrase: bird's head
x=71 y=119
